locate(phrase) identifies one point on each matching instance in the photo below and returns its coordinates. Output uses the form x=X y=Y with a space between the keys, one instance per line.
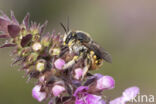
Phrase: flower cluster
x=44 y=57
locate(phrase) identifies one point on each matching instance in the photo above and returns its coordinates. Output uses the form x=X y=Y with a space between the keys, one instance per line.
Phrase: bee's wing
x=99 y=51
x=106 y=56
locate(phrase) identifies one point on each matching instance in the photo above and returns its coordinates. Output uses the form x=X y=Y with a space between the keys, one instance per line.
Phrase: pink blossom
x=130 y=93
x=59 y=63
x=83 y=97
x=57 y=90
x=78 y=73
x=105 y=82
x=37 y=94
x=127 y=95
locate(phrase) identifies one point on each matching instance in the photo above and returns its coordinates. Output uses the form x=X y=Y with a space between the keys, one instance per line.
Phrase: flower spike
x=60 y=63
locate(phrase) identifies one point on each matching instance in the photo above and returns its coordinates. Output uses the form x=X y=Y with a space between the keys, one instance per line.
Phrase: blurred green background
x=126 y=28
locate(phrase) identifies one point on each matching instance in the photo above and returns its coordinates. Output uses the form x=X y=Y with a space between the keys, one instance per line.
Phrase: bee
x=83 y=45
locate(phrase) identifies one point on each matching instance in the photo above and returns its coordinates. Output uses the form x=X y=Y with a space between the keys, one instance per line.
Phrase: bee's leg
x=63 y=51
x=71 y=63
x=85 y=69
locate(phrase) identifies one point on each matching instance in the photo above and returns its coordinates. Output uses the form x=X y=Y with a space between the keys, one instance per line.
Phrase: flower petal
x=4 y=36
x=130 y=93
x=14 y=18
x=127 y=95
x=57 y=90
x=80 y=90
x=118 y=100
x=93 y=99
x=4 y=16
x=26 y=20
x=3 y=24
x=42 y=27
x=59 y=63
x=105 y=82
x=90 y=99
x=37 y=94
x=8 y=45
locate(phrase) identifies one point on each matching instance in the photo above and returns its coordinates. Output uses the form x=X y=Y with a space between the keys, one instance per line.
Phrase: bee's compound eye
x=69 y=37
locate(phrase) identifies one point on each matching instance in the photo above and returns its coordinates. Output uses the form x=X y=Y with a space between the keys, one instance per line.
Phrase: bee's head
x=70 y=36
x=76 y=36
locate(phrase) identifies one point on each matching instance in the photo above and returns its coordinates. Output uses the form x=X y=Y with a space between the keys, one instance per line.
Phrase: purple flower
x=127 y=95
x=37 y=55
x=37 y=94
x=9 y=27
x=118 y=100
x=57 y=90
x=105 y=82
x=78 y=73
x=83 y=97
x=99 y=82
x=130 y=93
x=80 y=90
x=90 y=99
x=59 y=63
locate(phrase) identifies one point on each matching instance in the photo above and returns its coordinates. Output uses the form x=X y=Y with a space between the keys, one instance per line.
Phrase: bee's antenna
x=63 y=27
x=68 y=25
x=66 y=29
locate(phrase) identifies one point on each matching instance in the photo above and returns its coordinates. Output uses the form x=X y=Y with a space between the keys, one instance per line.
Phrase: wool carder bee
x=83 y=46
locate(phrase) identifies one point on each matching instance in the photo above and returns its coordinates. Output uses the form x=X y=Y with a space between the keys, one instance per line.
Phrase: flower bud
x=37 y=94
x=36 y=37
x=59 y=63
x=26 y=40
x=32 y=58
x=46 y=41
x=25 y=51
x=37 y=46
x=105 y=82
x=78 y=73
x=41 y=65
x=54 y=51
x=57 y=90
